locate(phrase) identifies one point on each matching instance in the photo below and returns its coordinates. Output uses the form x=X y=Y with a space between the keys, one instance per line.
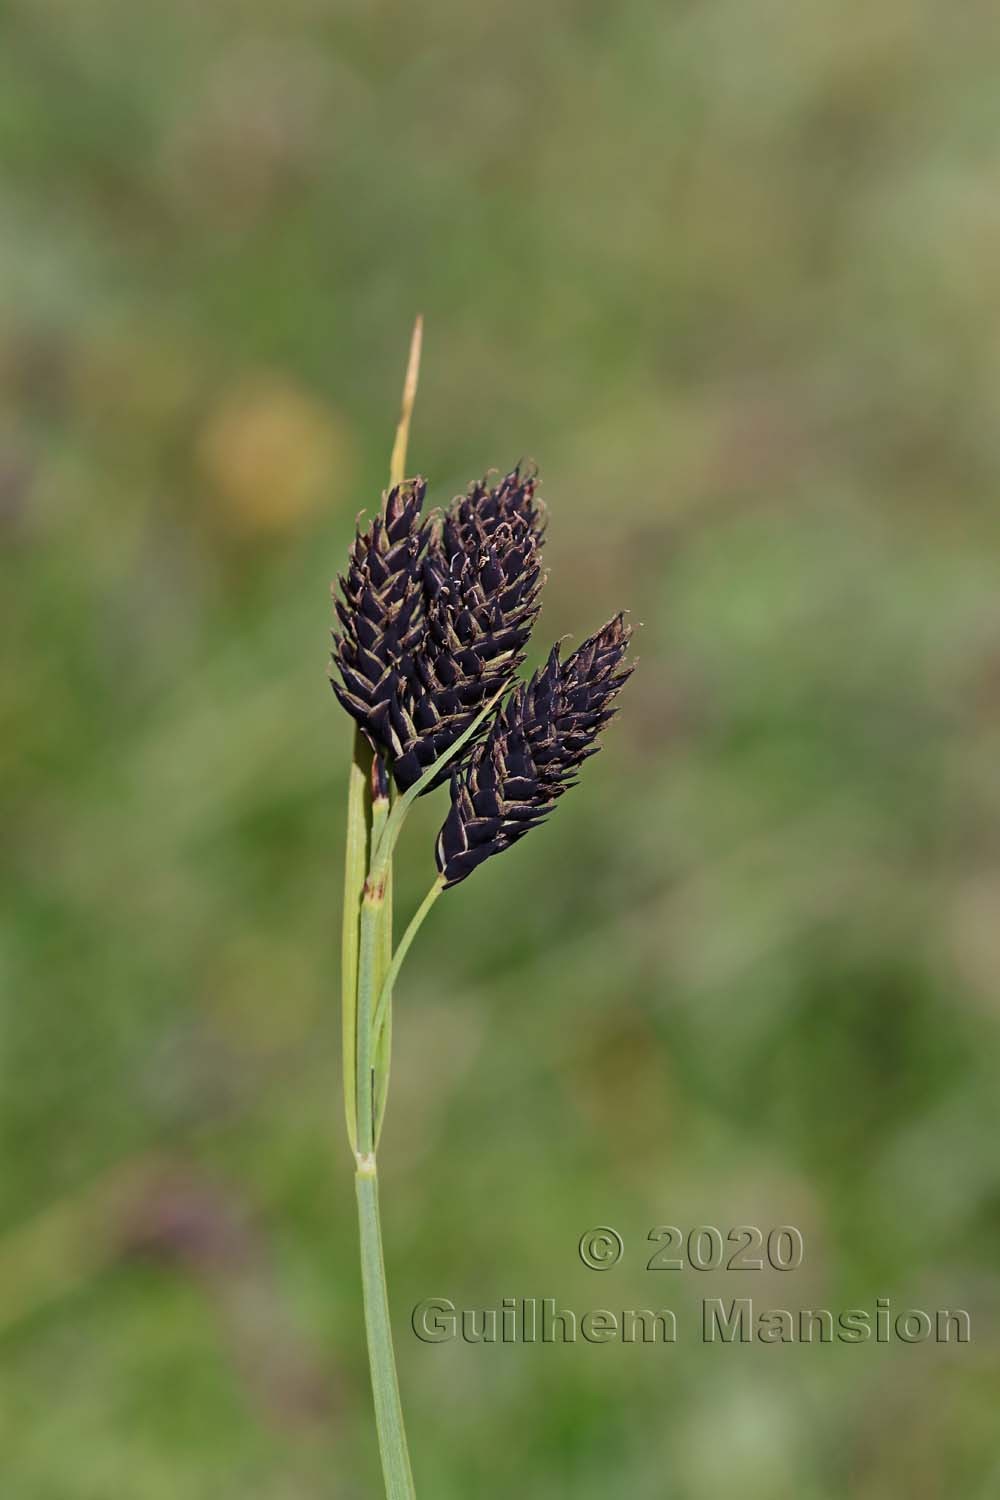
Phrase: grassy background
x=728 y=271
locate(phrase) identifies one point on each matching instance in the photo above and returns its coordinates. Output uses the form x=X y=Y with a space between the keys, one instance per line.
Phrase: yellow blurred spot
x=271 y=454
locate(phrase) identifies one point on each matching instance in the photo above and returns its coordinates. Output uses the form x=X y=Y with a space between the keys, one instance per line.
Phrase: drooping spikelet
x=381 y=611
x=481 y=579
x=531 y=755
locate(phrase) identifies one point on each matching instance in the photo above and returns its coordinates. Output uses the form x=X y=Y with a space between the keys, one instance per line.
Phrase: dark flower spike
x=483 y=510
x=533 y=751
x=380 y=611
x=481 y=580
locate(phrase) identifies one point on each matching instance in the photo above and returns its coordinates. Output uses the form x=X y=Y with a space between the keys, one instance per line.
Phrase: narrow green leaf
x=382 y=1042
x=355 y=868
x=383 y=1008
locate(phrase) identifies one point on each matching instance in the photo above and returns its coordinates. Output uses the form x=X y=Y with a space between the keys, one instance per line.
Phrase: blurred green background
x=729 y=272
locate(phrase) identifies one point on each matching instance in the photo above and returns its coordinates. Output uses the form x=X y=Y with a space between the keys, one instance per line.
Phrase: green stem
x=385 y=1386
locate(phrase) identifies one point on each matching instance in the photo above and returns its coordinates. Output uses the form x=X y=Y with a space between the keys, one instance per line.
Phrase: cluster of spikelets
x=435 y=613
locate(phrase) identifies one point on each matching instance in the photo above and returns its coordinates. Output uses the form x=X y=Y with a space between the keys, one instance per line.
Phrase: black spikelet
x=481 y=580
x=381 y=611
x=482 y=509
x=533 y=752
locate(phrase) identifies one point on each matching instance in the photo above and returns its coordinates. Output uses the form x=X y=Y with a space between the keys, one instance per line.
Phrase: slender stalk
x=383 y=1008
x=383 y=940
x=386 y=827
x=385 y=1385
x=382 y=1060
x=368 y=965
x=355 y=867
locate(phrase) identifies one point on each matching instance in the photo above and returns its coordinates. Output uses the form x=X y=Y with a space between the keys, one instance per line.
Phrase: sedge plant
x=434 y=612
